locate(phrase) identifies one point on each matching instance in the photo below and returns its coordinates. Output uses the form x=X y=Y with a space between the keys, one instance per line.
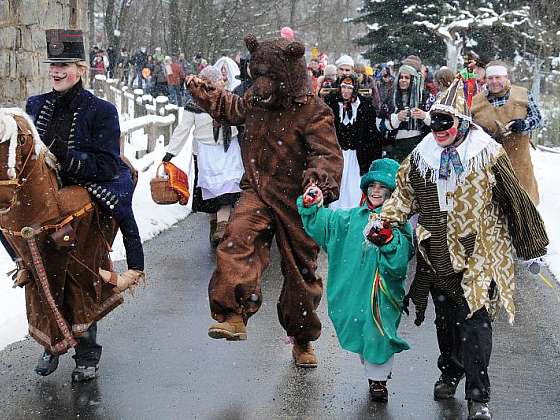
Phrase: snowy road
x=158 y=362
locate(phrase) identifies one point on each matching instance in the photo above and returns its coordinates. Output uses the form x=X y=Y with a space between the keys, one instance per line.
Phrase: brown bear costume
x=290 y=142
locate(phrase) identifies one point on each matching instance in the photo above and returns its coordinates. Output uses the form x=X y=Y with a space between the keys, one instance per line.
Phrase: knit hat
x=453 y=100
x=383 y=171
x=413 y=61
x=344 y=60
x=211 y=73
x=330 y=70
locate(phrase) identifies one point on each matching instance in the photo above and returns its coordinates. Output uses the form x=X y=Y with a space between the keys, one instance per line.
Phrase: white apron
x=350 y=192
x=219 y=172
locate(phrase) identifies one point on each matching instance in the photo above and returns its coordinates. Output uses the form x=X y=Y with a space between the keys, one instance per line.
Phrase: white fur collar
x=475 y=152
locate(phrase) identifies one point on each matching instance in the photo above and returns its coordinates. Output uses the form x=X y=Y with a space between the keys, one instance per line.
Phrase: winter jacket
x=354 y=264
x=362 y=135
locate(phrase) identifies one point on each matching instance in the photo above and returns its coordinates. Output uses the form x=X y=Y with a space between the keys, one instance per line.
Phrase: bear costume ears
x=293 y=49
x=251 y=42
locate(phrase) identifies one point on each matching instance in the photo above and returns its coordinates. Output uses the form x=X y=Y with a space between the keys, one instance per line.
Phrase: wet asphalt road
x=158 y=362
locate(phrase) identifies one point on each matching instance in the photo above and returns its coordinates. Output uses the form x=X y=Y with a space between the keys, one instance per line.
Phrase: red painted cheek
x=452 y=131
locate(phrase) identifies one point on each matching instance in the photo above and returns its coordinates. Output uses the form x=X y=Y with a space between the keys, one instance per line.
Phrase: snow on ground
x=546 y=166
x=151 y=218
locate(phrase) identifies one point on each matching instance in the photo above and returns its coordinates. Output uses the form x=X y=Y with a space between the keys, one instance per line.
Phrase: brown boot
x=304 y=356
x=378 y=391
x=232 y=329
x=220 y=232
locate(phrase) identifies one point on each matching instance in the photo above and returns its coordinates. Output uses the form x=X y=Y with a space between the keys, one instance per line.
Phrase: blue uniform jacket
x=95 y=131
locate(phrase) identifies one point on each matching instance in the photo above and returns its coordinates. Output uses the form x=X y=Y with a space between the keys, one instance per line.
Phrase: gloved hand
x=534 y=265
x=168 y=156
x=313 y=195
x=59 y=148
x=516 y=126
x=381 y=232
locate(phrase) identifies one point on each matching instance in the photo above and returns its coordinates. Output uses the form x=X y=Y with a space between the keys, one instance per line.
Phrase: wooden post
x=153 y=134
x=139 y=109
x=175 y=112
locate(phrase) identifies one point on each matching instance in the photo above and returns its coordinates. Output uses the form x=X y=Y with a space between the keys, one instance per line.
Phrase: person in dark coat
x=358 y=137
x=83 y=132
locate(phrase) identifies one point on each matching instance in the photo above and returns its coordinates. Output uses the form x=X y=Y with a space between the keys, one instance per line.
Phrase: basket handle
x=164 y=174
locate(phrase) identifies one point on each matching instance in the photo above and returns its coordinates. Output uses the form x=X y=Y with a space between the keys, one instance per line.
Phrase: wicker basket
x=162 y=193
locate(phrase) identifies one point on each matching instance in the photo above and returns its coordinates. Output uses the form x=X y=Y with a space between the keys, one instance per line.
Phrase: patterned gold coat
x=468 y=224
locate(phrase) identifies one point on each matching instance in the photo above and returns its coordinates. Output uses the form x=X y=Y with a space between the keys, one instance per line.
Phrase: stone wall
x=23 y=45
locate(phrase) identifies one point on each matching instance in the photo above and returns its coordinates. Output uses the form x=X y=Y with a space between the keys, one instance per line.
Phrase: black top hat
x=65 y=46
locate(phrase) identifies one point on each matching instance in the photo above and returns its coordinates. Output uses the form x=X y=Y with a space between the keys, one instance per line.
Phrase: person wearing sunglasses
x=473 y=213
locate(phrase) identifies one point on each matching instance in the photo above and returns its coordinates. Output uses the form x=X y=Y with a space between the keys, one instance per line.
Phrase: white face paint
x=64 y=76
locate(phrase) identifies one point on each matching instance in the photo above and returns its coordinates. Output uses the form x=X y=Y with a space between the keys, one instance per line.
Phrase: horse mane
x=9 y=131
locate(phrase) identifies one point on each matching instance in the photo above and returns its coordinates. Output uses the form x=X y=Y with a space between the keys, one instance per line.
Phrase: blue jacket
x=93 y=138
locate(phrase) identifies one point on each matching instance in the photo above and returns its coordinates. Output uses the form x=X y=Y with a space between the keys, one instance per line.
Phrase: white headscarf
x=232 y=71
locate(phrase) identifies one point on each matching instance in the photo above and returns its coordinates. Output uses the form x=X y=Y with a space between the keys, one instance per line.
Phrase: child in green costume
x=368 y=261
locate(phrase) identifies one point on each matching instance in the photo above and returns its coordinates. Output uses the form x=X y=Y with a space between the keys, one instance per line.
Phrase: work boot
x=213 y=223
x=378 y=391
x=445 y=387
x=84 y=373
x=478 y=410
x=47 y=364
x=304 y=356
x=220 y=232
x=232 y=329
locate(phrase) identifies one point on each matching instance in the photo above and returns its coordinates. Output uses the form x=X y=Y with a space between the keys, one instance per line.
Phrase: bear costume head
x=278 y=71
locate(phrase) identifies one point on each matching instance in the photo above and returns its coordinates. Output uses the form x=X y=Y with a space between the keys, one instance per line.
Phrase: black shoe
x=84 y=373
x=478 y=410
x=445 y=387
x=47 y=364
x=378 y=391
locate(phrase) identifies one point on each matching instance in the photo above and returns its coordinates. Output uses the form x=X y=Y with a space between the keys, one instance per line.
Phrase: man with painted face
x=290 y=143
x=509 y=114
x=358 y=137
x=83 y=132
x=375 y=259
x=404 y=118
x=473 y=213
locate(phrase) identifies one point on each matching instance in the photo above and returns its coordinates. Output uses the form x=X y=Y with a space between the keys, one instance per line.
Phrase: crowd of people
x=370 y=164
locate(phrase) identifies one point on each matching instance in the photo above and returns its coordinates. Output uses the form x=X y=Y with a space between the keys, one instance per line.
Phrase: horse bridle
x=17 y=183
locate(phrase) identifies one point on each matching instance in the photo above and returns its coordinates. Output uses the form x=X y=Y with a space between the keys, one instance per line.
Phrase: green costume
x=365 y=282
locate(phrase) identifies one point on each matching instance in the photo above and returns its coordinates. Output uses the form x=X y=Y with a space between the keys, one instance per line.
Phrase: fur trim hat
x=344 y=60
x=383 y=171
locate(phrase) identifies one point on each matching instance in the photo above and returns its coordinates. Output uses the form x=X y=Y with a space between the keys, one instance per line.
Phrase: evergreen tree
x=392 y=34
x=439 y=31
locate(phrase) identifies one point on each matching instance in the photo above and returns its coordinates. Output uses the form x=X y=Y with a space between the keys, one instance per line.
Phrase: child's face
x=377 y=193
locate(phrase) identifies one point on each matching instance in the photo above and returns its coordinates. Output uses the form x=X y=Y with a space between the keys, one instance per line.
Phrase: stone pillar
x=23 y=46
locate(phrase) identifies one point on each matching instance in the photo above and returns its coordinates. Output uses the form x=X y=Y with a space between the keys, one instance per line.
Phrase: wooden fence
x=156 y=116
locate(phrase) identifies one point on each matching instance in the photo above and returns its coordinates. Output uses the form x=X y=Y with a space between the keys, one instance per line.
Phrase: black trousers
x=88 y=352
x=465 y=345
